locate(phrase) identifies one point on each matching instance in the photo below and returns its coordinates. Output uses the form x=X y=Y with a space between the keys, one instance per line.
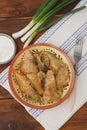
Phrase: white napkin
x=63 y=35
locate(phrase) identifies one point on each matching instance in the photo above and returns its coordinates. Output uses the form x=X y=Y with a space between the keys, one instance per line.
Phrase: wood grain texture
x=23 y=8
x=14 y=15
x=14 y=117
x=18 y=8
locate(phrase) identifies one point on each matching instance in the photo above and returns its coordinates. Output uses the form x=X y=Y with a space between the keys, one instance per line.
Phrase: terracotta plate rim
x=44 y=106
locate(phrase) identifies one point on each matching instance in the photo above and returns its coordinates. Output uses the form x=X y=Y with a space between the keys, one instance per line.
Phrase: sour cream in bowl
x=7 y=48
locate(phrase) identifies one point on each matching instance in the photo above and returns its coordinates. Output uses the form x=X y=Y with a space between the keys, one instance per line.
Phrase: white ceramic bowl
x=7 y=48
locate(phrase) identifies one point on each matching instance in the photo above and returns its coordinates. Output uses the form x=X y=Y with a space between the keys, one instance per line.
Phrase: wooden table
x=14 y=15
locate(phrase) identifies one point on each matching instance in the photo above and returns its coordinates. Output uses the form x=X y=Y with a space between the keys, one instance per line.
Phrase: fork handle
x=76 y=68
x=71 y=100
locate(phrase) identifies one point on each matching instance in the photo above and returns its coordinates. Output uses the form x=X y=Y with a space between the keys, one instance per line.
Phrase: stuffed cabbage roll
x=62 y=77
x=25 y=86
x=49 y=86
x=36 y=81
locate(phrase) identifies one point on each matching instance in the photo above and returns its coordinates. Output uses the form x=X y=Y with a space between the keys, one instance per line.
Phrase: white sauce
x=7 y=48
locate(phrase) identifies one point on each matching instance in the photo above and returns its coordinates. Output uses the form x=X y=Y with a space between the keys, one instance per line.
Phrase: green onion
x=32 y=36
x=44 y=8
x=46 y=17
x=51 y=24
x=61 y=17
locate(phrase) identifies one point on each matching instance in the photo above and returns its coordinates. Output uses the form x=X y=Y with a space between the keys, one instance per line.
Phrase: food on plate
x=51 y=61
x=27 y=65
x=62 y=77
x=49 y=86
x=36 y=82
x=40 y=77
x=25 y=86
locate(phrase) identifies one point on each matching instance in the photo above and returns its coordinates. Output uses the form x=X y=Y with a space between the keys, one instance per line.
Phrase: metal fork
x=78 y=52
x=77 y=57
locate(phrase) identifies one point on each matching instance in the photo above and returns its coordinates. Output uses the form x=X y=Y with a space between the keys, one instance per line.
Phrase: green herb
x=43 y=9
x=46 y=18
x=39 y=21
x=50 y=24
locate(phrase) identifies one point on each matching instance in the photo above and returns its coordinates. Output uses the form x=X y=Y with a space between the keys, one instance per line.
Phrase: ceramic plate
x=15 y=86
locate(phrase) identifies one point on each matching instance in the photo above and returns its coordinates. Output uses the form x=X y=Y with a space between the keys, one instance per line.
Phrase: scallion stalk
x=51 y=24
x=44 y=8
x=32 y=36
x=61 y=17
x=46 y=17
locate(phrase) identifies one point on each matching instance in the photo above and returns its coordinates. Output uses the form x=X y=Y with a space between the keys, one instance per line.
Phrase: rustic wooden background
x=14 y=15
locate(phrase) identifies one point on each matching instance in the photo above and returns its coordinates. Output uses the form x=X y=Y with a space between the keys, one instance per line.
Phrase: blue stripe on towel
x=74 y=44
x=35 y=112
x=82 y=65
x=2 y=76
x=82 y=70
x=51 y=32
x=73 y=37
x=82 y=59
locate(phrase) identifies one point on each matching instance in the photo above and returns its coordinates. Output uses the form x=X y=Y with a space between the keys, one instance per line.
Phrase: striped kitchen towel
x=63 y=35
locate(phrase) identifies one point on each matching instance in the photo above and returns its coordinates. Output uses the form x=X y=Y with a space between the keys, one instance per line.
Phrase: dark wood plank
x=22 y=8
x=18 y=8
x=78 y=121
x=4 y=94
x=10 y=25
x=14 y=117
